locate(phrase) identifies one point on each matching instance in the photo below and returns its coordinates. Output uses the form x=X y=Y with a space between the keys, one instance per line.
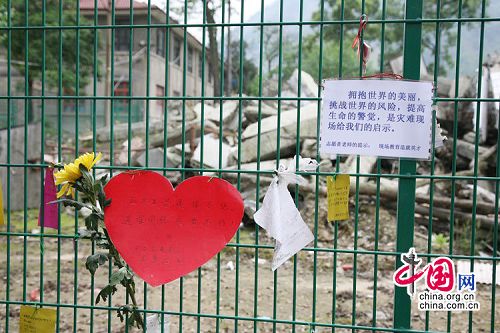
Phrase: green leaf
x=94 y=261
x=120 y=315
x=78 y=185
x=105 y=293
x=91 y=222
x=72 y=203
x=118 y=276
x=135 y=318
x=104 y=180
x=85 y=233
x=102 y=243
x=100 y=195
x=86 y=174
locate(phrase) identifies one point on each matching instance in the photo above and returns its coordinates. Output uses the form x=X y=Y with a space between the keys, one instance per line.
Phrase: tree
x=211 y=7
x=330 y=60
x=36 y=47
x=271 y=45
x=249 y=69
x=394 y=33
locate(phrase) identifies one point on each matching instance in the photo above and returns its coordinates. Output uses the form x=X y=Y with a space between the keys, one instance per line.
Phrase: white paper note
x=280 y=217
x=388 y=118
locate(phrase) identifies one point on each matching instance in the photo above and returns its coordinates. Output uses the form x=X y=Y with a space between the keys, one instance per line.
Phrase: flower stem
x=130 y=290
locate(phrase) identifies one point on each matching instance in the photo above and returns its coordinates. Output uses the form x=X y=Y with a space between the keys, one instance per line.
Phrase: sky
x=194 y=17
x=251 y=7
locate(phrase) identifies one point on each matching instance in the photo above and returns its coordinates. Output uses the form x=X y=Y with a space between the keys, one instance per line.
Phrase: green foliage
x=93 y=198
x=105 y=293
x=122 y=276
x=311 y=57
x=31 y=41
x=253 y=87
x=440 y=242
x=331 y=64
x=94 y=261
x=394 y=32
x=134 y=319
x=249 y=73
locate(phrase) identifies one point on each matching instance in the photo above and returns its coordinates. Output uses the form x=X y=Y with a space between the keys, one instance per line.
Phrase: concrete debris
x=308 y=87
x=309 y=147
x=366 y=165
x=254 y=110
x=213 y=157
x=213 y=113
x=250 y=208
x=17 y=156
x=465 y=88
x=495 y=83
x=253 y=138
x=269 y=134
x=483 y=271
x=397 y=66
x=156 y=159
x=483 y=111
x=136 y=146
x=120 y=131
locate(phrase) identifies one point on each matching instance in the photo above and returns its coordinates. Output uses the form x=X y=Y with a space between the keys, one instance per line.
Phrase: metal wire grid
x=407 y=176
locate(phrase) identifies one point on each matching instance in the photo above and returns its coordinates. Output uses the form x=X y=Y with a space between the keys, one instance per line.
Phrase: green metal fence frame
x=413 y=22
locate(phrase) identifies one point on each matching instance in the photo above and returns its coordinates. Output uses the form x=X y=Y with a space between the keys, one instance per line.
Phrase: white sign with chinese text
x=386 y=118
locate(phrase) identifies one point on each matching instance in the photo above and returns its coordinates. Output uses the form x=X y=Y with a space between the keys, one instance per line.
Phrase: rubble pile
x=242 y=135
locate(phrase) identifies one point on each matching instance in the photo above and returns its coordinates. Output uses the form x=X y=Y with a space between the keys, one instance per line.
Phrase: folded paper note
x=164 y=233
x=279 y=215
x=47 y=215
x=338 y=197
x=39 y=320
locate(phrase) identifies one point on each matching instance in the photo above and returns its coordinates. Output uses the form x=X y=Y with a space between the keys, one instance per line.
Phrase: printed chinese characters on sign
x=377 y=118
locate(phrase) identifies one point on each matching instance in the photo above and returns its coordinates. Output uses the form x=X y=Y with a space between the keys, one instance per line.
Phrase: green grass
x=17 y=222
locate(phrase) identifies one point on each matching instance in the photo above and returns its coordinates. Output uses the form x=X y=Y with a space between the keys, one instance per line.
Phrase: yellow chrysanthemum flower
x=71 y=172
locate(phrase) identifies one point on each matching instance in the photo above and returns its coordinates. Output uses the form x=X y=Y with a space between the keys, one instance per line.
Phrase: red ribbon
x=362 y=25
x=357 y=40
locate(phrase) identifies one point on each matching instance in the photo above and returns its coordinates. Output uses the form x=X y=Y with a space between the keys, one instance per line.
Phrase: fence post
x=406 y=191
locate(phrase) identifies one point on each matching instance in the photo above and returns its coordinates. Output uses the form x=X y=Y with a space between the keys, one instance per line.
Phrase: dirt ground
x=249 y=290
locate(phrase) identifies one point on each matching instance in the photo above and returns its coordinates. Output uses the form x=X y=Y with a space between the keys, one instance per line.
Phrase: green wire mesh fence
x=144 y=83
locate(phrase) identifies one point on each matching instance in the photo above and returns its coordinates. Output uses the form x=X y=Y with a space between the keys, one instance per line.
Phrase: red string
x=383 y=76
x=362 y=25
x=374 y=76
x=362 y=44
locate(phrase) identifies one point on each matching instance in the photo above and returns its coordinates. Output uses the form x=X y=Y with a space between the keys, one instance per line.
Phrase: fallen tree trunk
x=426 y=181
x=386 y=192
x=484 y=222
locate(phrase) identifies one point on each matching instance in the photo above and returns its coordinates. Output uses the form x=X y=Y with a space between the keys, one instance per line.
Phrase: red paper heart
x=164 y=233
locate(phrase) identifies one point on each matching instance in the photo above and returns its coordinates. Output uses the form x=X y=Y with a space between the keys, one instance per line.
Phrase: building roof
x=105 y=5
x=124 y=5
